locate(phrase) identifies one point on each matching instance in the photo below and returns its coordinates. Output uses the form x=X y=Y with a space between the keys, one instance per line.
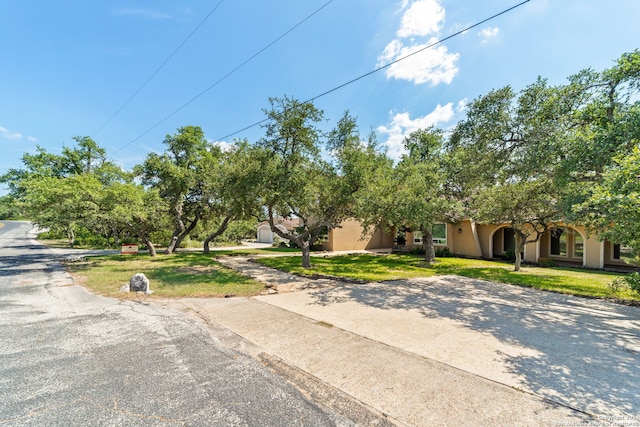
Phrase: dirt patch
x=78 y=279
x=196 y=269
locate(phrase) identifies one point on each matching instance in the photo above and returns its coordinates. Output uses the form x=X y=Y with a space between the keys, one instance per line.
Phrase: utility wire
x=225 y=76
x=158 y=69
x=386 y=65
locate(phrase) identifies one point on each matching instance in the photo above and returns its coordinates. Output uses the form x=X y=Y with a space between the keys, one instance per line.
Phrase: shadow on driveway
x=586 y=351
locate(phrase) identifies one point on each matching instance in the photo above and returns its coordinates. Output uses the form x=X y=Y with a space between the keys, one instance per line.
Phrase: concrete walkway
x=446 y=350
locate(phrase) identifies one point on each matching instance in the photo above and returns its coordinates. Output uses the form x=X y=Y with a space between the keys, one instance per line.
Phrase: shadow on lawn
x=588 y=351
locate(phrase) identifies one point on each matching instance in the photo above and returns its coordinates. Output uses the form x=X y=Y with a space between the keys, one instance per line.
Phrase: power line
x=387 y=65
x=158 y=69
x=226 y=75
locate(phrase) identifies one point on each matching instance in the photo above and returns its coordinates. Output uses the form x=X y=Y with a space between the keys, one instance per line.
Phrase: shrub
x=616 y=285
x=630 y=281
x=546 y=262
x=418 y=251
x=8 y=208
x=510 y=255
x=633 y=280
x=443 y=253
x=82 y=238
x=237 y=231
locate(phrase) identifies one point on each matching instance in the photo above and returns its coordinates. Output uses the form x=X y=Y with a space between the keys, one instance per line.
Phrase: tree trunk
x=172 y=245
x=517 y=262
x=152 y=248
x=142 y=235
x=72 y=237
x=519 y=247
x=306 y=255
x=177 y=212
x=176 y=239
x=427 y=244
x=214 y=235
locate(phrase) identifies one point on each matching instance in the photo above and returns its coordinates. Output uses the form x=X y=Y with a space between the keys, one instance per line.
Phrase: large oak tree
x=507 y=152
x=298 y=181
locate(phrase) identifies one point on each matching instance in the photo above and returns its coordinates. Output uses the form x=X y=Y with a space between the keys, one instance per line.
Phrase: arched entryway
x=564 y=245
x=502 y=242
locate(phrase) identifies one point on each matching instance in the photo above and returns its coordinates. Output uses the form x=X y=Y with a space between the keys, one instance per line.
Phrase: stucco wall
x=485 y=235
x=348 y=237
x=462 y=239
x=531 y=252
x=594 y=256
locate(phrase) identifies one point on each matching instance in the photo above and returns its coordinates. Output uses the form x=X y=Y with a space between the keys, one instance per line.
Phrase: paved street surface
x=69 y=358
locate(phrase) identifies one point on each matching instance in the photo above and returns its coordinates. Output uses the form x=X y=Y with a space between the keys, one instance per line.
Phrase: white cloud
x=402 y=125
x=435 y=65
x=224 y=145
x=8 y=134
x=421 y=19
x=488 y=33
x=32 y=139
x=390 y=52
x=143 y=13
x=461 y=106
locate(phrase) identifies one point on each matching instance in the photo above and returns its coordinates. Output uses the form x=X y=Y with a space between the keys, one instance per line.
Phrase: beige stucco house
x=565 y=244
x=349 y=237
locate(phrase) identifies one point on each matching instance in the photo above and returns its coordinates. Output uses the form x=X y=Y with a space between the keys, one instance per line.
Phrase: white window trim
x=575 y=245
x=417 y=238
x=439 y=240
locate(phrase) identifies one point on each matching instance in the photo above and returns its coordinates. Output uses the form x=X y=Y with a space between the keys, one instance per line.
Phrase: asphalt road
x=70 y=358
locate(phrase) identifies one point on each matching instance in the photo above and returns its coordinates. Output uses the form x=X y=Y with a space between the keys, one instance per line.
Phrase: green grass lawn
x=193 y=274
x=179 y=275
x=373 y=268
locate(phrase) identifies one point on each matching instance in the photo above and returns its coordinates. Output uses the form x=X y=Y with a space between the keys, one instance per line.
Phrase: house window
x=401 y=238
x=439 y=234
x=623 y=253
x=417 y=237
x=578 y=246
x=559 y=242
x=323 y=236
x=509 y=240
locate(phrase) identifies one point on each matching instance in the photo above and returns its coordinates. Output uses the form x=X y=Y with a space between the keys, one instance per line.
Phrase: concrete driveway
x=449 y=349
x=579 y=352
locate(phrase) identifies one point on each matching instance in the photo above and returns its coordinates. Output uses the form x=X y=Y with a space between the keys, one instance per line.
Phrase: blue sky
x=69 y=65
